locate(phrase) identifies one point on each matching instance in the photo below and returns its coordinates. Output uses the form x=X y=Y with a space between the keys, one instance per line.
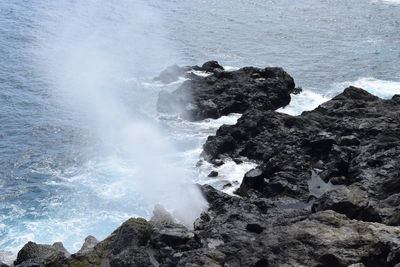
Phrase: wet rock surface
x=326 y=192
x=224 y=92
x=352 y=140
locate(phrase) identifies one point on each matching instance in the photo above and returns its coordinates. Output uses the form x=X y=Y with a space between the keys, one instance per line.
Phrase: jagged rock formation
x=174 y=72
x=352 y=140
x=224 y=92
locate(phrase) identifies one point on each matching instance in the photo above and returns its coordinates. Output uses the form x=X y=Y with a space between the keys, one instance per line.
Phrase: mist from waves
x=125 y=163
x=91 y=49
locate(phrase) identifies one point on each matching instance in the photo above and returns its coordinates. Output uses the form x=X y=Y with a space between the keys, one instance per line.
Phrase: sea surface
x=82 y=147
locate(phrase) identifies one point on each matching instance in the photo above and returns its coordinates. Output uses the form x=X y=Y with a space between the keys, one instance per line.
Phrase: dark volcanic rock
x=131 y=257
x=33 y=254
x=353 y=139
x=224 y=92
x=213 y=174
x=350 y=201
x=174 y=72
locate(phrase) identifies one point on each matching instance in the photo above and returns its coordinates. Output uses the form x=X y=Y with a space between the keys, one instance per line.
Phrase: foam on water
x=306 y=100
x=381 y=88
x=230 y=68
x=310 y=99
x=393 y=2
x=200 y=73
x=157 y=84
x=230 y=174
x=190 y=136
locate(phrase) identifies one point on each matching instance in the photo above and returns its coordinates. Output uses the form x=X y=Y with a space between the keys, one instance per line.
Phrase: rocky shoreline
x=326 y=191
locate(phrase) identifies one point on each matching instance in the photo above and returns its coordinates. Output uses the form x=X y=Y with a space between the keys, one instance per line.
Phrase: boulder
x=351 y=201
x=213 y=174
x=174 y=72
x=33 y=254
x=224 y=92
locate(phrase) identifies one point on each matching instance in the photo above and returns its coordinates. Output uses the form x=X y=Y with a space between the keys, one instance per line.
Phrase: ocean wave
x=306 y=100
x=395 y=2
x=381 y=88
x=309 y=99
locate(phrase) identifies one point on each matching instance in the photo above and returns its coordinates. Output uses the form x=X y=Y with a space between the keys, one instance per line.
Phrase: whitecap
x=382 y=88
x=306 y=100
x=230 y=68
x=200 y=73
x=393 y=2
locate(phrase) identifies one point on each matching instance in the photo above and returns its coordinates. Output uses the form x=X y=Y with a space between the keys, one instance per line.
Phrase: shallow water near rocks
x=318 y=187
x=56 y=184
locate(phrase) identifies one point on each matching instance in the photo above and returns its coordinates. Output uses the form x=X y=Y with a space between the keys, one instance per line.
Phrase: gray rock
x=88 y=245
x=132 y=257
x=351 y=201
x=33 y=253
x=213 y=174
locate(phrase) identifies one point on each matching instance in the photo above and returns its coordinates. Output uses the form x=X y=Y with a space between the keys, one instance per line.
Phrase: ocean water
x=82 y=146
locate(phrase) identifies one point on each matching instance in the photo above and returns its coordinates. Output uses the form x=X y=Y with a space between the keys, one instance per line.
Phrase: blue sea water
x=75 y=80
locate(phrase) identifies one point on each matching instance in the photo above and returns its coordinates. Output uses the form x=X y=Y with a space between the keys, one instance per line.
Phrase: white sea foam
x=310 y=99
x=306 y=100
x=230 y=174
x=381 y=88
x=393 y=2
x=7 y=257
x=157 y=84
x=230 y=68
x=200 y=73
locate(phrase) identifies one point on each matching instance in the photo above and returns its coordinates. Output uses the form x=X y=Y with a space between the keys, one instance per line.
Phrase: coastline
x=280 y=218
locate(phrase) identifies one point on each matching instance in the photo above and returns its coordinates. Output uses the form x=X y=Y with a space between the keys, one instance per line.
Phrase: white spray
x=88 y=50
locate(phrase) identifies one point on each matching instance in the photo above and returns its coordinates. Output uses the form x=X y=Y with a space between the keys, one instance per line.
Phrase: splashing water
x=124 y=163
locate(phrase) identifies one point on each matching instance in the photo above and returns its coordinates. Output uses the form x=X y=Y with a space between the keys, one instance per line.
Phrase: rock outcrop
x=33 y=254
x=352 y=140
x=174 y=72
x=224 y=92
